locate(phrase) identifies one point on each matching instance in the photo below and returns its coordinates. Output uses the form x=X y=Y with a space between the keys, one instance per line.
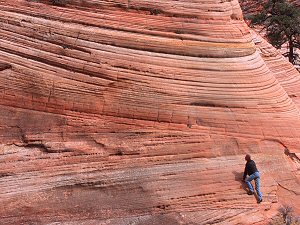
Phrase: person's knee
x=248 y=179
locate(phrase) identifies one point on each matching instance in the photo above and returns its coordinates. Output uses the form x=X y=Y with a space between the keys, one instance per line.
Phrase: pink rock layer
x=141 y=112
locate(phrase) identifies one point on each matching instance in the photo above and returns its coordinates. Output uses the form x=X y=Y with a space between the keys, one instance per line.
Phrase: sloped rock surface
x=140 y=112
x=284 y=71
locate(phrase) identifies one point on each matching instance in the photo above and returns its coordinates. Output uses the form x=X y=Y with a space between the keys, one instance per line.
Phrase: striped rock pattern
x=140 y=112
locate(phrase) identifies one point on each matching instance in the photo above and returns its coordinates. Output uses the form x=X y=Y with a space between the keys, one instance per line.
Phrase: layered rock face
x=141 y=112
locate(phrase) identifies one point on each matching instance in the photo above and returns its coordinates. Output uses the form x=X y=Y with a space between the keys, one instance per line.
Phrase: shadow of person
x=238 y=176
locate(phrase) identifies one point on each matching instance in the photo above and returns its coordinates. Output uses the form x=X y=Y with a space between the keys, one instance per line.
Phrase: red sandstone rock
x=122 y=112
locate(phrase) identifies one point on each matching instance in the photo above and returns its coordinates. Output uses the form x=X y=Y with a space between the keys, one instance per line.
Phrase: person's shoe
x=250 y=192
x=259 y=201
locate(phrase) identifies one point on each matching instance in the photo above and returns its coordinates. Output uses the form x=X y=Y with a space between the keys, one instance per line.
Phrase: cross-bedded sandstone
x=140 y=112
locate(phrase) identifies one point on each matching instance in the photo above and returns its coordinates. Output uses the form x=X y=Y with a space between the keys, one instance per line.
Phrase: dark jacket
x=250 y=168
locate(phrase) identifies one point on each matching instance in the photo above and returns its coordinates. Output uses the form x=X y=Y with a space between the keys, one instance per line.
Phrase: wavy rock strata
x=140 y=112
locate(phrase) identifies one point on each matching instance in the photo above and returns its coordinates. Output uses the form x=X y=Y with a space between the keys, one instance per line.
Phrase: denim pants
x=255 y=176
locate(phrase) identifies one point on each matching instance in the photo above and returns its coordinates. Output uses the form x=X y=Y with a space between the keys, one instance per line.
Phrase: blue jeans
x=255 y=176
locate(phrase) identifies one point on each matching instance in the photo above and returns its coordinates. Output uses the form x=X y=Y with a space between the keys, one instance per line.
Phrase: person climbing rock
x=253 y=174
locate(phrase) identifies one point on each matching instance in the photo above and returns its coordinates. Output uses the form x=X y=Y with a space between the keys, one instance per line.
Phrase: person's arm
x=245 y=173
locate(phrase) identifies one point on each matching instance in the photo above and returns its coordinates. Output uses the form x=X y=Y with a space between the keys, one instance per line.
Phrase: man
x=251 y=170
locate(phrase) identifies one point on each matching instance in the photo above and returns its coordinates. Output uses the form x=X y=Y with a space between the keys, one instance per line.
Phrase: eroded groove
x=57 y=64
x=5 y=66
